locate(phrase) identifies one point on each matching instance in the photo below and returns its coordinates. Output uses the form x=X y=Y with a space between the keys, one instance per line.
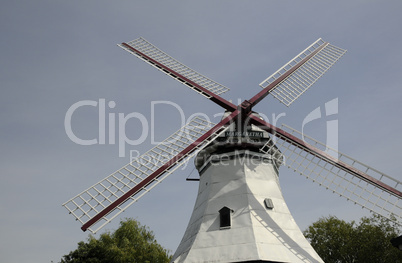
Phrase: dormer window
x=225 y=216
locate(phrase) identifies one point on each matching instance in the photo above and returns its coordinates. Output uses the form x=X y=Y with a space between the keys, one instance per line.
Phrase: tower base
x=240 y=215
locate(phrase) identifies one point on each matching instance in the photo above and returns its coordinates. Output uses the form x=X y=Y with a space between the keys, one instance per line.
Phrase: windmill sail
x=102 y=202
x=175 y=69
x=324 y=56
x=341 y=174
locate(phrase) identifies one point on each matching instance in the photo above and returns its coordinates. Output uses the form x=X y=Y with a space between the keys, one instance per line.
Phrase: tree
x=131 y=242
x=337 y=241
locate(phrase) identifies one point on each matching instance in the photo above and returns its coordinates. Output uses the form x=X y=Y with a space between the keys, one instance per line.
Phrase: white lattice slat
x=95 y=199
x=333 y=177
x=293 y=86
x=154 y=54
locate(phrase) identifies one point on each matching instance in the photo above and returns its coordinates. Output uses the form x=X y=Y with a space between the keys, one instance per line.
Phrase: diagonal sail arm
x=290 y=81
x=324 y=156
x=102 y=202
x=343 y=175
x=173 y=68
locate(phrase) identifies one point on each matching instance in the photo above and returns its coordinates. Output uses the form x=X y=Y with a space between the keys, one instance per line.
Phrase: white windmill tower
x=240 y=214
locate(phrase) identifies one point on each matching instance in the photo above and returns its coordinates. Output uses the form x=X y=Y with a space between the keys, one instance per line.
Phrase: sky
x=55 y=54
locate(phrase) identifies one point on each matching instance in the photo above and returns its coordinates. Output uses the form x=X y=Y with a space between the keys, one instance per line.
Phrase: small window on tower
x=225 y=217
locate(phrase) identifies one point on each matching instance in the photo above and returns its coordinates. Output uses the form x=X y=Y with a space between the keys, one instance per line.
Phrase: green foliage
x=131 y=242
x=337 y=241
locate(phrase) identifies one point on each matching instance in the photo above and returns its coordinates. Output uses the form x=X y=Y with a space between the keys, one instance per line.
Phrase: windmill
x=240 y=214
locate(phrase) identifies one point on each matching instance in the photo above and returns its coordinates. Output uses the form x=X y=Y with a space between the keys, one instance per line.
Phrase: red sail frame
x=168 y=165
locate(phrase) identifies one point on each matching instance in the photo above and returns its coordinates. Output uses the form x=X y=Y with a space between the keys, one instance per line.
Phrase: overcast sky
x=57 y=53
